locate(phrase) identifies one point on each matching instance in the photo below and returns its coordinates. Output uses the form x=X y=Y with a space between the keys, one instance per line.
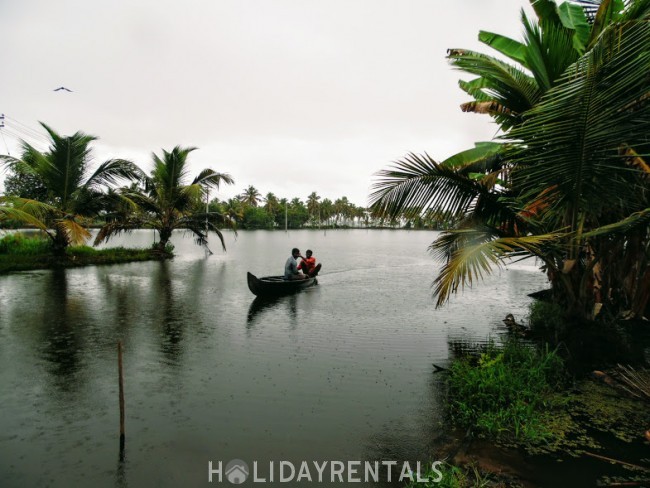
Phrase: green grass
x=19 y=244
x=21 y=253
x=505 y=392
x=452 y=477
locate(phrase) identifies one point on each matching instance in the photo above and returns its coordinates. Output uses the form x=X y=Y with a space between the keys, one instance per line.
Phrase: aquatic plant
x=504 y=391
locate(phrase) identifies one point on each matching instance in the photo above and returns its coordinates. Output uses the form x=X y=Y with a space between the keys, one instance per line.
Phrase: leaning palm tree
x=75 y=191
x=169 y=201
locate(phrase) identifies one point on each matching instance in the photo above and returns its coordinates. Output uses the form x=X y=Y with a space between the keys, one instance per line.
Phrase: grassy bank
x=20 y=253
x=505 y=392
x=525 y=415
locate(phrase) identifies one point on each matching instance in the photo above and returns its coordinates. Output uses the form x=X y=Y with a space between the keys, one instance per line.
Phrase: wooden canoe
x=275 y=286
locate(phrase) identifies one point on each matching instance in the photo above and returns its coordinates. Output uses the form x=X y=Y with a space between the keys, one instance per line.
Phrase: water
x=341 y=371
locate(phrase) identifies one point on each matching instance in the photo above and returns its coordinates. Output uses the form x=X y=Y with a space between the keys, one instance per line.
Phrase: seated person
x=308 y=265
x=291 y=267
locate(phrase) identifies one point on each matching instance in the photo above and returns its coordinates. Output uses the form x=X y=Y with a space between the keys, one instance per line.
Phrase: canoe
x=275 y=286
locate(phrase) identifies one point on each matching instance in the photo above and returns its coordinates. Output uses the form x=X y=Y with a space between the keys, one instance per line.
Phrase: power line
x=29 y=131
x=2 y=125
x=21 y=133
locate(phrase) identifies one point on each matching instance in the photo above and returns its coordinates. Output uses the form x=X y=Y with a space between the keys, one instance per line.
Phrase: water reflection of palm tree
x=61 y=335
x=176 y=312
x=171 y=318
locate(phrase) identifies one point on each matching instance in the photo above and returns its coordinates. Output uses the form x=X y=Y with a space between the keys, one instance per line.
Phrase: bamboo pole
x=121 y=384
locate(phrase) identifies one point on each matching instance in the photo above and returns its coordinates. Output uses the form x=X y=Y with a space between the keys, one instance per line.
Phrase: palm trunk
x=59 y=242
x=165 y=234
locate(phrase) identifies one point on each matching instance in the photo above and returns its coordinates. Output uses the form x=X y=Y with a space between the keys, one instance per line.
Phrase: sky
x=290 y=96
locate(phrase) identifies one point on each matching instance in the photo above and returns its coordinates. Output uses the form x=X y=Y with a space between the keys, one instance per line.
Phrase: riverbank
x=77 y=257
x=19 y=253
x=523 y=419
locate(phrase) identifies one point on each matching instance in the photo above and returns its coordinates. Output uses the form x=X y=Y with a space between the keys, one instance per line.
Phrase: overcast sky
x=291 y=96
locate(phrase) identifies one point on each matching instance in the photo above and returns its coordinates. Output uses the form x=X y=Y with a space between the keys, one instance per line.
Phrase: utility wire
x=36 y=134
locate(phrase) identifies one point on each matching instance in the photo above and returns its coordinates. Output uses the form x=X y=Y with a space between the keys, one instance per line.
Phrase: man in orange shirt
x=308 y=265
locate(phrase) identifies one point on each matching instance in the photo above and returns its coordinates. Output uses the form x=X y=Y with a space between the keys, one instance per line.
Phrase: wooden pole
x=121 y=383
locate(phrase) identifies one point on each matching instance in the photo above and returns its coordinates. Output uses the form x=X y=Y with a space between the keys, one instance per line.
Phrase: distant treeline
x=250 y=210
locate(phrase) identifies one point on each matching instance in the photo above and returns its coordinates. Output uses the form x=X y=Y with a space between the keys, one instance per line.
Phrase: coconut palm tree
x=75 y=190
x=312 y=203
x=250 y=196
x=326 y=210
x=170 y=201
x=574 y=141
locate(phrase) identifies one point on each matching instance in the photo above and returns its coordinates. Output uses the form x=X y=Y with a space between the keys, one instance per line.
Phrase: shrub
x=546 y=318
x=504 y=391
x=19 y=244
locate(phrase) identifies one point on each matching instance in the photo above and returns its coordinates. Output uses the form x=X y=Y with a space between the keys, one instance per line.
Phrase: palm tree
x=559 y=37
x=168 y=201
x=272 y=204
x=595 y=183
x=540 y=191
x=250 y=196
x=75 y=192
x=313 y=204
x=233 y=210
x=326 y=210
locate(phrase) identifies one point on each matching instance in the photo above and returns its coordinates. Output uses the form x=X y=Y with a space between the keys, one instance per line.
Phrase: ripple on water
x=340 y=371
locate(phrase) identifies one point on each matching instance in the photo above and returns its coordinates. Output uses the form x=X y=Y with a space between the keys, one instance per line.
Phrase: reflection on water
x=341 y=371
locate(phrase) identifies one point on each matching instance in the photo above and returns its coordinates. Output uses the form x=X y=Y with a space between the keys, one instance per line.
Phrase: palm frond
x=638 y=220
x=476 y=253
x=116 y=227
x=112 y=171
x=212 y=179
x=74 y=232
x=507 y=85
x=30 y=212
x=515 y=50
x=571 y=139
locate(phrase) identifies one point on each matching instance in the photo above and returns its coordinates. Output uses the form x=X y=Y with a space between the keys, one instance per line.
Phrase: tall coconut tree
x=250 y=196
x=313 y=205
x=326 y=210
x=170 y=200
x=76 y=190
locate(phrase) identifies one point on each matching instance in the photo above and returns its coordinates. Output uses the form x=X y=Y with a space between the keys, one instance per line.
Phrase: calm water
x=341 y=371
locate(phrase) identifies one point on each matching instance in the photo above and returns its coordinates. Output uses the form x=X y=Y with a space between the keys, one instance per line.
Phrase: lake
x=341 y=371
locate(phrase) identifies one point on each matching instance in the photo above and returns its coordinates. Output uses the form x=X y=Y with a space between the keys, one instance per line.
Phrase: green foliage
x=20 y=253
x=257 y=218
x=73 y=190
x=504 y=392
x=168 y=201
x=546 y=318
x=568 y=182
x=25 y=185
x=452 y=477
x=19 y=244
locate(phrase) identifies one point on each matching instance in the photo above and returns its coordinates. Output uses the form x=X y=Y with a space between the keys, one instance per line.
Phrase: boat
x=275 y=286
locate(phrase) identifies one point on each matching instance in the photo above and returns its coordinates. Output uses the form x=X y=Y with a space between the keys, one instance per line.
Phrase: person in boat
x=291 y=267
x=308 y=265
